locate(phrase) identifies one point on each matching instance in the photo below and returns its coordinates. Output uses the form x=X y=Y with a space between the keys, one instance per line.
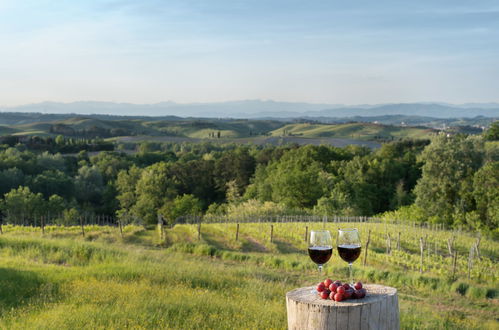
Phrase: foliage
x=181 y=206
x=492 y=133
x=20 y=204
x=452 y=178
x=446 y=185
x=252 y=209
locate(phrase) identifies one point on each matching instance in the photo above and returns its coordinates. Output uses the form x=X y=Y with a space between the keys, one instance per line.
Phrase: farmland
x=142 y=279
x=209 y=129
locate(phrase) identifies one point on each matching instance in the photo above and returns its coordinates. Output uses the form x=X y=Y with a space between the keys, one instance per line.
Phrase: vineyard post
x=388 y=244
x=161 y=224
x=398 y=242
x=477 y=247
x=367 y=246
x=120 y=225
x=82 y=228
x=470 y=260
x=450 y=245
x=199 y=229
x=454 y=264
x=306 y=234
x=237 y=231
x=271 y=233
x=421 y=246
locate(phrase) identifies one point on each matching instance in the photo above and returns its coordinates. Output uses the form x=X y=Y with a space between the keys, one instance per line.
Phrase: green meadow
x=148 y=279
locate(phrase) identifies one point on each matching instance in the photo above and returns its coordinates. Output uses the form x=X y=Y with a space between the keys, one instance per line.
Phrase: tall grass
x=63 y=280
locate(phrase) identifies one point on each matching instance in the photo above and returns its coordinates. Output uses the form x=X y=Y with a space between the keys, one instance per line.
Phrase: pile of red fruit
x=338 y=292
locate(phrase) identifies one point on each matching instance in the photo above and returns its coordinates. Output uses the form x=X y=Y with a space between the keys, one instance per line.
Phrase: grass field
x=142 y=280
x=361 y=131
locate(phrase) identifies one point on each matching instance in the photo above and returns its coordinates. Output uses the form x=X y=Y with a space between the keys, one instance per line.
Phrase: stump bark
x=379 y=309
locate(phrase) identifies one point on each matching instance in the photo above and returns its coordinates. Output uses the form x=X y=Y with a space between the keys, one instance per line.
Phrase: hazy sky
x=147 y=51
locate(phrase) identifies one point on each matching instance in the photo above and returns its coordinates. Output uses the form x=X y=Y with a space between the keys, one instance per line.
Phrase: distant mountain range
x=262 y=109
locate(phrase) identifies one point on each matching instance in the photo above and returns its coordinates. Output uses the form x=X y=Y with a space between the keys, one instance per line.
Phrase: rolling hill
x=361 y=131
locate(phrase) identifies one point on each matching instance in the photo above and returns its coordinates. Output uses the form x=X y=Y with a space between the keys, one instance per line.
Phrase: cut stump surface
x=379 y=309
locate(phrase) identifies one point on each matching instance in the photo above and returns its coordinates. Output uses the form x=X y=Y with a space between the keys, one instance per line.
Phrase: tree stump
x=379 y=309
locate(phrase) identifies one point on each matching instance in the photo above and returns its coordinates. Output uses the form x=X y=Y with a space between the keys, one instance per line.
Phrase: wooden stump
x=379 y=309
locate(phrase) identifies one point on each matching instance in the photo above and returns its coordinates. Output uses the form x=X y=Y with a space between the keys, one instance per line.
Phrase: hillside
x=142 y=280
x=361 y=131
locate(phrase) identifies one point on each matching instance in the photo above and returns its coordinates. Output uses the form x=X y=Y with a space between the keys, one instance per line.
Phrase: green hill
x=89 y=127
x=360 y=131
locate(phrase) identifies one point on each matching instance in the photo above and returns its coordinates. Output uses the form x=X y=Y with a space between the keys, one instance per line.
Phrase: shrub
x=460 y=287
x=476 y=292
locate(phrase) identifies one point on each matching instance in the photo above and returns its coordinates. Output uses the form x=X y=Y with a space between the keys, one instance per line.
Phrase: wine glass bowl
x=320 y=247
x=349 y=247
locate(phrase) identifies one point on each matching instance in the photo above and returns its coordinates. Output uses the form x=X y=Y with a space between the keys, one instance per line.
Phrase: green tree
x=10 y=178
x=449 y=166
x=155 y=187
x=126 y=183
x=181 y=206
x=492 y=133
x=22 y=205
x=486 y=194
x=52 y=182
x=56 y=205
x=89 y=186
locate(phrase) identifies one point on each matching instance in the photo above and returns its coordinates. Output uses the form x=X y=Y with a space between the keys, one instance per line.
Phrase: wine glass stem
x=351 y=272
x=320 y=270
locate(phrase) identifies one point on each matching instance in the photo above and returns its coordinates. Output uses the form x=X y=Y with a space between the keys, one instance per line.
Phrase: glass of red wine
x=320 y=247
x=349 y=247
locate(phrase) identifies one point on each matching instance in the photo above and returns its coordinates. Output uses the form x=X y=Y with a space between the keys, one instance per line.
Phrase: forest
x=451 y=180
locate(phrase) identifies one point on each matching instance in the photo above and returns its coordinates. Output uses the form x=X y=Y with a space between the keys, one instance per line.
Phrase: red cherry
x=331 y=295
x=358 y=286
x=354 y=294
x=360 y=293
x=321 y=287
x=341 y=290
x=346 y=286
x=338 y=297
x=357 y=294
x=348 y=293
x=327 y=282
x=333 y=287
x=338 y=283
x=325 y=294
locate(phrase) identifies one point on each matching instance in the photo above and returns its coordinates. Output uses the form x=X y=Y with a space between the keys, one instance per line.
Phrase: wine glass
x=320 y=247
x=349 y=247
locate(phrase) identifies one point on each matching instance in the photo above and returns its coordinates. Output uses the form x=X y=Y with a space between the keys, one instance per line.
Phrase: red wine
x=320 y=254
x=349 y=253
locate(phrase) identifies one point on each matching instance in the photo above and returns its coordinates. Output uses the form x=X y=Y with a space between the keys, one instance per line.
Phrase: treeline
x=452 y=180
x=55 y=144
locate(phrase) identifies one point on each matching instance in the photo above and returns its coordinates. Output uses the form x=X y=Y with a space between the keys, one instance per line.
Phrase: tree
x=55 y=205
x=21 y=204
x=89 y=186
x=126 y=183
x=52 y=182
x=486 y=194
x=155 y=187
x=449 y=166
x=110 y=163
x=9 y=179
x=492 y=133
x=181 y=206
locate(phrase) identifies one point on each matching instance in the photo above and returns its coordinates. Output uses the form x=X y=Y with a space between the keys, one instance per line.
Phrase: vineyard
x=111 y=276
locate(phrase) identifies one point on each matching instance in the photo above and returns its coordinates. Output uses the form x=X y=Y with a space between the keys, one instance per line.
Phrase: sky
x=337 y=52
